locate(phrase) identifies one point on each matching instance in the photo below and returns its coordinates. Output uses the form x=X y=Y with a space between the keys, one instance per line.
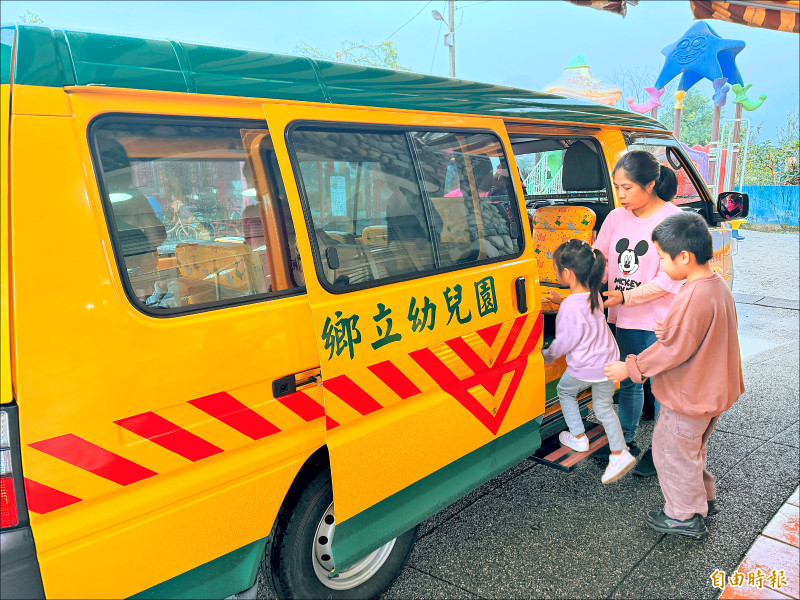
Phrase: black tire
x=291 y=555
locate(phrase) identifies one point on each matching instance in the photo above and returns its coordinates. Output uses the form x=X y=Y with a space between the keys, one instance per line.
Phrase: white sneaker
x=569 y=440
x=618 y=465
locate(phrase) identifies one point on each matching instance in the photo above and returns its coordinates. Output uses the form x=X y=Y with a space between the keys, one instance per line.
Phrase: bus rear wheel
x=301 y=560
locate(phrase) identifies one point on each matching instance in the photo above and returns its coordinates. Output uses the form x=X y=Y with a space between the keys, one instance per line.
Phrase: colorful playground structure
x=698 y=54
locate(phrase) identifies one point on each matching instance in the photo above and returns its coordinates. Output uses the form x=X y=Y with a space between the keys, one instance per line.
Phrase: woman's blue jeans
x=631 y=395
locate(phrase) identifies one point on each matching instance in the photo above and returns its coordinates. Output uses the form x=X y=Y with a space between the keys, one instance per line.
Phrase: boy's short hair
x=687 y=231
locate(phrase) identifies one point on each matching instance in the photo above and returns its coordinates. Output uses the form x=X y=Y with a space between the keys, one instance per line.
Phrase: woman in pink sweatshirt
x=640 y=292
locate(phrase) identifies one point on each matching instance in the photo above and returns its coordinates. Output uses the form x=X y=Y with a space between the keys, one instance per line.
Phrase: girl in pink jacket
x=583 y=335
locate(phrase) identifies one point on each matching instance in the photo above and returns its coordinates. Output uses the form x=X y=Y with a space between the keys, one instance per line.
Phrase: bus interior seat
x=216 y=271
x=582 y=172
x=553 y=225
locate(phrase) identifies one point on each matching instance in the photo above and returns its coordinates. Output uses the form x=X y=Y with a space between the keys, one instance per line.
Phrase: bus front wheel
x=301 y=561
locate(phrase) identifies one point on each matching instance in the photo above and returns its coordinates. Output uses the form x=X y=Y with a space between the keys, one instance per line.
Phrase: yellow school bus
x=240 y=289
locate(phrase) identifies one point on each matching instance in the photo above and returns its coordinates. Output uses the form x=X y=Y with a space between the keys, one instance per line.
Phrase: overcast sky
x=522 y=44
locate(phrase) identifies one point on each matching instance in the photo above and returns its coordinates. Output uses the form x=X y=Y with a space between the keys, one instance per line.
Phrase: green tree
x=695 y=118
x=31 y=17
x=774 y=163
x=358 y=53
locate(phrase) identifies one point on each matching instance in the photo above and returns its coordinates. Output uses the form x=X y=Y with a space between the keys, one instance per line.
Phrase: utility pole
x=452 y=39
x=449 y=37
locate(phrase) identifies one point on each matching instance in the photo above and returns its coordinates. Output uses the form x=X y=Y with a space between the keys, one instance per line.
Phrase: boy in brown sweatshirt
x=697 y=374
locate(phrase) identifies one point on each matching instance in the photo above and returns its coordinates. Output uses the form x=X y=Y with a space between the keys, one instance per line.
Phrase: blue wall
x=777 y=204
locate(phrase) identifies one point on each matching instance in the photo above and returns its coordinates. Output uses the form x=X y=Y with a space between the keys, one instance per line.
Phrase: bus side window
x=374 y=218
x=209 y=244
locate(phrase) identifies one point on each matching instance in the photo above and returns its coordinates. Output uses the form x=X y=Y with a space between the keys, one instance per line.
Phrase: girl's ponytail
x=595 y=278
x=588 y=264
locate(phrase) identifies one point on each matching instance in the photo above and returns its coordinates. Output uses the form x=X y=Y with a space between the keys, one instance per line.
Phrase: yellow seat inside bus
x=552 y=226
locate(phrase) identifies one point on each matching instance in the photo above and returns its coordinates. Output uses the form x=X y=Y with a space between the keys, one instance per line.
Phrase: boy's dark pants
x=679 y=454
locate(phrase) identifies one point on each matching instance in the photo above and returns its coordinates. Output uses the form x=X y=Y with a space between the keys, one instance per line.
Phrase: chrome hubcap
x=322 y=558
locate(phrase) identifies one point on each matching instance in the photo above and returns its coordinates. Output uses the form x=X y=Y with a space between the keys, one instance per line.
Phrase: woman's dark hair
x=685 y=231
x=588 y=264
x=642 y=168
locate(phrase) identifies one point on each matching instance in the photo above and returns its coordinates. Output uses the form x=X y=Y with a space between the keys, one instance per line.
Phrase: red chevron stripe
x=43 y=499
x=489 y=377
x=352 y=394
x=234 y=414
x=533 y=336
x=466 y=353
x=166 y=434
x=394 y=379
x=508 y=345
x=90 y=457
x=489 y=334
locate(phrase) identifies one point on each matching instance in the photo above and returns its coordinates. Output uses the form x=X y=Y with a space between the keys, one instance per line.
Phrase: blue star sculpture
x=700 y=53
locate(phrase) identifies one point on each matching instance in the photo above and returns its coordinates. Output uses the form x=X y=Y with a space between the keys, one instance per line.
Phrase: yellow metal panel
x=6 y=394
x=41 y=100
x=86 y=358
x=389 y=448
x=217 y=510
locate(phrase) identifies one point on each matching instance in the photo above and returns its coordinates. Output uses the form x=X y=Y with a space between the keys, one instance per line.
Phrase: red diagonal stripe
x=434 y=367
x=510 y=340
x=302 y=405
x=466 y=353
x=234 y=414
x=352 y=394
x=533 y=337
x=489 y=334
x=166 y=434
x=43 y=499
x=394 y=379
x=90 y=457
x=330 y=423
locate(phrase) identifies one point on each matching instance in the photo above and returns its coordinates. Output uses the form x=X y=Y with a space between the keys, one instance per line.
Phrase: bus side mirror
x=733 y=205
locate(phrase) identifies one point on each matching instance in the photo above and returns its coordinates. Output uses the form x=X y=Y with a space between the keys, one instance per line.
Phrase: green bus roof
x=57 y=57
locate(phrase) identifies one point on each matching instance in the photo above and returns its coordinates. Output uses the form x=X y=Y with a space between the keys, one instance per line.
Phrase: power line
x=409 y=21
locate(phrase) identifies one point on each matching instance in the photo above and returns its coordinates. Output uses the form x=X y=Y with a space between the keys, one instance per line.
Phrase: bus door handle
x=522 y=296
x=291 y=383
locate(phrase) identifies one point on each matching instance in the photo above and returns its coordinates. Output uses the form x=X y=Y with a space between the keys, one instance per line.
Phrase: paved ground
x=767 y=264
x=535 y=532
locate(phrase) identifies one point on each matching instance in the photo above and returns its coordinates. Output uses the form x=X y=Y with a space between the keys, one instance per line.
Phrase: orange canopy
x=782 y=15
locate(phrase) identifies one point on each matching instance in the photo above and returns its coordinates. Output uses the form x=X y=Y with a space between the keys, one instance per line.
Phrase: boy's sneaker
x=569 y=440
x=694 y=528
x=618 y=465
x=646 y=468
x=713 y=509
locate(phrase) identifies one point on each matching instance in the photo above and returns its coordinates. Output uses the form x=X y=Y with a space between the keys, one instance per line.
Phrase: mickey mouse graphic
x=629 y=259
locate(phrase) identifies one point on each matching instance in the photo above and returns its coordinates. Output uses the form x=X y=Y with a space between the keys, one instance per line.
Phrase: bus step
x=553 y=454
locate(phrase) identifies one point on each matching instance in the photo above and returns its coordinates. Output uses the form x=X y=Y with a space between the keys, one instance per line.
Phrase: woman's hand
x=659 y=329
x=614 y=298
x=554 y=297
x=616 y=371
